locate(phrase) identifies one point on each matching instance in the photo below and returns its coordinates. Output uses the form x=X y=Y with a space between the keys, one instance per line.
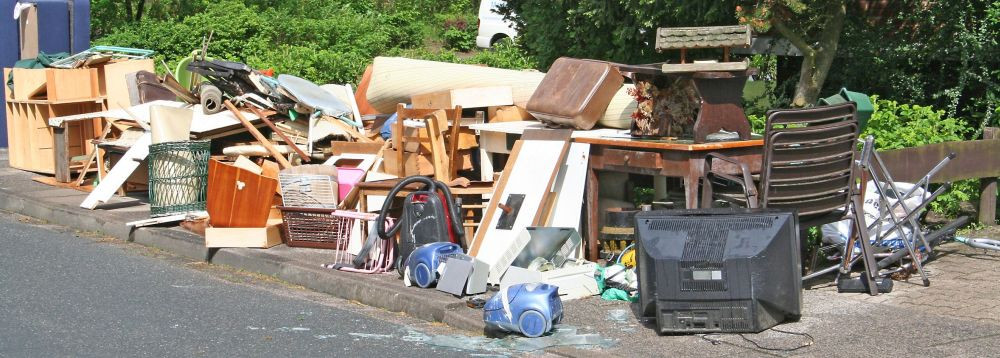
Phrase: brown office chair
x=808 y=165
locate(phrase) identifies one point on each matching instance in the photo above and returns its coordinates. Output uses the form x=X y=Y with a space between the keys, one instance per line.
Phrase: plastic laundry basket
x=178 y=177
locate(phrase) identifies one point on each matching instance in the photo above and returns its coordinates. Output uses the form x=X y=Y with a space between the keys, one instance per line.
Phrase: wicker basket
x=316 y=228
x=178 y=177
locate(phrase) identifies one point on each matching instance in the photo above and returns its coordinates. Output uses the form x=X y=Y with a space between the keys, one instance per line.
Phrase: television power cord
x=811 y=340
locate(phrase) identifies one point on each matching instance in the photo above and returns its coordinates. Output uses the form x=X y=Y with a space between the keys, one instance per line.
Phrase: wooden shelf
x=62 y=101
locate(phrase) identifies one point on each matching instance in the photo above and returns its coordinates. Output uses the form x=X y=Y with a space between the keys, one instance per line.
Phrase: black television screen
x=718 y=270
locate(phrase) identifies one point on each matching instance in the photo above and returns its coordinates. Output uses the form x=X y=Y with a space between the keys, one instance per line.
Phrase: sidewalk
x=957 y=316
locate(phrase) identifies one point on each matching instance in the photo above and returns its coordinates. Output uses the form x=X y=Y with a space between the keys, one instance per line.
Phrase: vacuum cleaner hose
x=380 y=221
x=456 y=220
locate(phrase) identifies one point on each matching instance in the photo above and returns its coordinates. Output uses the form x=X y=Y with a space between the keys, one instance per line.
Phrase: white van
x=492 y=26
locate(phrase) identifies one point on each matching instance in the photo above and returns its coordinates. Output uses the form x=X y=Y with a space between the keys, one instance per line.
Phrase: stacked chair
x=811 y=165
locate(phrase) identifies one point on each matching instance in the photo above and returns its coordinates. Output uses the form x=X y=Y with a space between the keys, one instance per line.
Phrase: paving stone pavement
x=964 y=284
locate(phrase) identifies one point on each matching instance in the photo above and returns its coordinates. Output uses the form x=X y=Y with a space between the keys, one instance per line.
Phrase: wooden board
x=508 y=114
x=63 y=84
x=256 y=237
x=113 y=82
x=29 y=83
x=704 y=67
x=530 y=171
x=27 y=25
x=119 y=173
x=237 y=197
x=52 y=181
x=974 y=159
x=476 y=97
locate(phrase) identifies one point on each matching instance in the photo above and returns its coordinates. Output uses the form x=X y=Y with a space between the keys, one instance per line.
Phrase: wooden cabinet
x=33 y=144
x=36 y=146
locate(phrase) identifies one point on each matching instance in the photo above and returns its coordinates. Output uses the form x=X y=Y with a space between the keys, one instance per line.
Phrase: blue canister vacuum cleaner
x=531 y=309
x=422 y=265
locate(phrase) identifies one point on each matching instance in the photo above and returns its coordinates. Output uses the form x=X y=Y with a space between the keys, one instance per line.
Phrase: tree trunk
x=128 y=10
x=139 y=6
x=816 y=59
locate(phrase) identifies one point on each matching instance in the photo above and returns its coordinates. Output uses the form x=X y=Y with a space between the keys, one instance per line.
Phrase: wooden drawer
x=631 y=158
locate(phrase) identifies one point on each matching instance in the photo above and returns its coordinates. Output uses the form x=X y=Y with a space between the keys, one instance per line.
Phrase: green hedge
x=330 y=44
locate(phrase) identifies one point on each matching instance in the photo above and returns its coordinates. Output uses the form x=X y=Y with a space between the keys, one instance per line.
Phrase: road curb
x=355 y=287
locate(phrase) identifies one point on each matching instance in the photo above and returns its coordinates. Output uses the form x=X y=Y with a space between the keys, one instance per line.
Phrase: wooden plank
x=113 y=83
x=29 y=83
x=436 y=125
x=477 y=97
x=65 y=84
x=262 y=237
x=120 y=173
x=509 y=114
x=340 y=147
x=263 y=118
x=53 y=182
x=704 y=67
x=260 y=137
x=237 y=197
x=988 y=188
x=61 y=137
x=974 y=159
x=670 y=144
x=531 y=172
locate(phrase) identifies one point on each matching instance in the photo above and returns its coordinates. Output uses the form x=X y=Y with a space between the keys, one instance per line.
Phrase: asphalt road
x=64 y=295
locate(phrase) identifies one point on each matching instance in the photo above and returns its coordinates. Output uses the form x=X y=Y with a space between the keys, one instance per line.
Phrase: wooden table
x=672 y=158
x=382 y=187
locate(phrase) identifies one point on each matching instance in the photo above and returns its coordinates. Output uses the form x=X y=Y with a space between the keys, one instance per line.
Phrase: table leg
x=61 y=137
x=696 y=167
x=592 y=198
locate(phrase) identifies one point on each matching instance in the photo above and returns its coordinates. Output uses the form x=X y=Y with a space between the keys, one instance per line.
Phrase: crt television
x=718 y=270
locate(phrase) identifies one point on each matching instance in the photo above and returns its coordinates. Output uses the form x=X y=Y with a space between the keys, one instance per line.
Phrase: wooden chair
x=808 y=166
x=444 y=157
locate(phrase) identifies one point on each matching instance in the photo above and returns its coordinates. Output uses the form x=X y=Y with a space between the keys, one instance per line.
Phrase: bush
x=459 y=34
x=895 y=125
x=504 y=55
x=328 y=44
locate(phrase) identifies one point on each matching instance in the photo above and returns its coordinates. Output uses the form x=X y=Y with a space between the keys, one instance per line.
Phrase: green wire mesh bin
x=178 y=177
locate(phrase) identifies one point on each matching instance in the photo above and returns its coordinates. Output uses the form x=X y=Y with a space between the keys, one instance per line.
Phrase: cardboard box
x=257 y=237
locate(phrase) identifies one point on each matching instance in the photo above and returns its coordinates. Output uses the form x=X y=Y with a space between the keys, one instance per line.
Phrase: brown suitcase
x=575 y=93
x=145 y=87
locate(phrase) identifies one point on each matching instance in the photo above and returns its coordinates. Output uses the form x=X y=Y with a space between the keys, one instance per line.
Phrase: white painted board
x=537 y=162
x=569 y=191
x=121 y=171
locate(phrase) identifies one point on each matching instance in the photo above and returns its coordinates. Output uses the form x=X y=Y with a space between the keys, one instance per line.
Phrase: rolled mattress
x=395 y=79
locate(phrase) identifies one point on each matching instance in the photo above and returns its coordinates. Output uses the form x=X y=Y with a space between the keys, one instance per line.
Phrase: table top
x=388 y=184
x=619 y=138
x=670 y=144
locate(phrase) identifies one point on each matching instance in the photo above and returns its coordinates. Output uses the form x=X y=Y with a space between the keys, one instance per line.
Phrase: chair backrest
x=444 y=168
x=808 y=162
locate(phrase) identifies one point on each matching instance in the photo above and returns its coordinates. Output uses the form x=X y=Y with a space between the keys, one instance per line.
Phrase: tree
x=136 y=14
x=813 y=27
x=615 y=30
